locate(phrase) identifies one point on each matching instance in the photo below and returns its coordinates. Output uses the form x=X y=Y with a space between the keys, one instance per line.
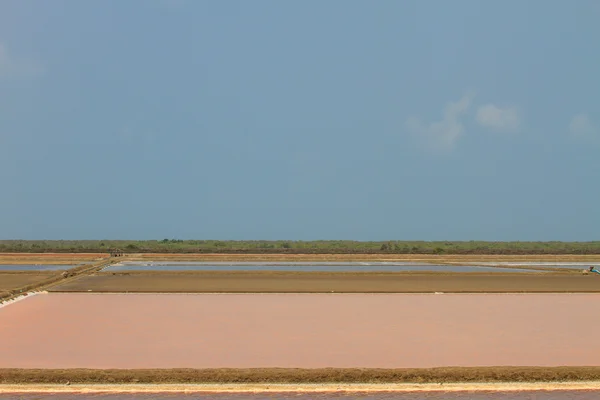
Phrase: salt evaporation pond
x=303 y=266
x=290 y=330
x=34 y=267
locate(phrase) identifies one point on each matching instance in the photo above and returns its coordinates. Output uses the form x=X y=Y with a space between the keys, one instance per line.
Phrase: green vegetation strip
x=299 y=247
x=284 y=375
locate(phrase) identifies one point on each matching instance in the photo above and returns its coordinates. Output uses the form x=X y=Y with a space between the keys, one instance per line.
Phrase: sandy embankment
x=302 y=388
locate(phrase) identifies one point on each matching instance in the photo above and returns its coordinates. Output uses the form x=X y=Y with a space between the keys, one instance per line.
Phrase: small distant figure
x=592 y=269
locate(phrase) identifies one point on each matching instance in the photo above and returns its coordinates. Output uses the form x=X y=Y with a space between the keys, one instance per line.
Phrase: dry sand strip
x=342 y=282
x=302 y=388
x=139 y=331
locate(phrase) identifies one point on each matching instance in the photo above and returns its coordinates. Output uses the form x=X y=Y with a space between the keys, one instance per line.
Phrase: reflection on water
x=36 y=267
x=308 y=267
x=528 y=395
x=567 y=265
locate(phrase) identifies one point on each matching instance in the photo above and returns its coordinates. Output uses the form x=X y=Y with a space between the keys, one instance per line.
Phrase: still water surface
x=527 y=395
x=567 y=265
x=308 y=267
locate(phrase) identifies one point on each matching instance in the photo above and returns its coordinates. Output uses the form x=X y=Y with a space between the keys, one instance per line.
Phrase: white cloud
x=497 y=118
x=582 y=126
x=442 y=135
x=11 y=66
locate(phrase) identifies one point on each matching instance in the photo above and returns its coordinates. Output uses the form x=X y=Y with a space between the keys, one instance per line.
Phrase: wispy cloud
x=582 y=126
x=12 y=66
x=499 y=119
x=443 y=135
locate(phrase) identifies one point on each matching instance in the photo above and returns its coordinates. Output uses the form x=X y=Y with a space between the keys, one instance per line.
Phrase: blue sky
x=337 y=119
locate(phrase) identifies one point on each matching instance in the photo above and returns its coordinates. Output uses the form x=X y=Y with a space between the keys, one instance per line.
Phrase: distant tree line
x=298 y=247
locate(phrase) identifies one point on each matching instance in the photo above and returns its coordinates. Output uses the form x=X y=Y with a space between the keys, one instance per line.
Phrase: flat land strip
x=15 y=280
x=50 y=258
x=435 y=259
x=75 y=258
x=339 y=282
x=389 y=331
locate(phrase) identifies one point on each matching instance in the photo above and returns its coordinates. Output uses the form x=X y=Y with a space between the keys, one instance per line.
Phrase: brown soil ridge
x=315 y=282
x=299 y=376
